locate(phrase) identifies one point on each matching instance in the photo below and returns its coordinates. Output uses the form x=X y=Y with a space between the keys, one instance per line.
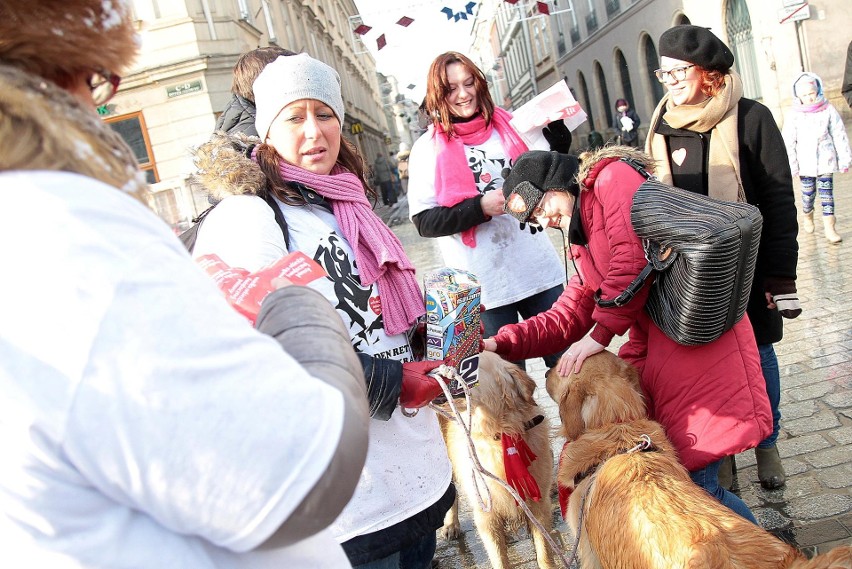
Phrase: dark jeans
x=494 y=318
x=388 y=192
x=708 y=478
x=769 y=363
x=418 y=556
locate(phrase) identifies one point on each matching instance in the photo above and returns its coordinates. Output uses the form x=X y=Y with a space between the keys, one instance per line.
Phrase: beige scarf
x=717 y=115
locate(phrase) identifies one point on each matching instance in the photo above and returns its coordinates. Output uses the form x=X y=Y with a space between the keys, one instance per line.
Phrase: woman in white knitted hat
x=304 y=171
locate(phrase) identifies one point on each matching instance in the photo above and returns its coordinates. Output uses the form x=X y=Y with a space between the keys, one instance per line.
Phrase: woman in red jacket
x=711 y=398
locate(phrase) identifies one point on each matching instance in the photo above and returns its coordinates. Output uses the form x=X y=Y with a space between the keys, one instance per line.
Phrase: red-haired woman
x=707 y=138
x=456 y=173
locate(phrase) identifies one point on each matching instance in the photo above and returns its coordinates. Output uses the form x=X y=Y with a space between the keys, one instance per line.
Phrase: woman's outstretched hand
x=572 y=360
x=492 y=203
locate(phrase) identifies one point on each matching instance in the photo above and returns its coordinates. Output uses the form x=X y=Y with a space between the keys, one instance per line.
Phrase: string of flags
x=456 y=16
x=468 y=11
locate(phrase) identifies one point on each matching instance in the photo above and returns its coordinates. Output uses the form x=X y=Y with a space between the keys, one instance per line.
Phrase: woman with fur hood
x=711 y=398
x=307 y=173
x=129 y=437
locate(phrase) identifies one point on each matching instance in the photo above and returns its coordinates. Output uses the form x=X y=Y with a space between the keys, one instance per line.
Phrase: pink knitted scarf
x=378 y=253
x=454 y=180
x=812 y=108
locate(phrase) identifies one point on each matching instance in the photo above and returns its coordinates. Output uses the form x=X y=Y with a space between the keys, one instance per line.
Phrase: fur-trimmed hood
x=42 y=127
x=224 y=167
x=53 y=38
x=588 y=160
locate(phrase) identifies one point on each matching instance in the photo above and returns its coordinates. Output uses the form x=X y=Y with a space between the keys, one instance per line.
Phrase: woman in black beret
x=709 y=139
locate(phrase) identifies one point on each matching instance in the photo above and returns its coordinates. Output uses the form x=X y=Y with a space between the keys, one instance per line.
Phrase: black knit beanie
x=533 y=174
x=698 y=46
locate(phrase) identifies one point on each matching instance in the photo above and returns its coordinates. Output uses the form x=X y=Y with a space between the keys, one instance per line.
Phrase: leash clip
x=643 y=445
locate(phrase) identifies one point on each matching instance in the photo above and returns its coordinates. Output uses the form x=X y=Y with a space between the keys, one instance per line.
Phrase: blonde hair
x=43 y=127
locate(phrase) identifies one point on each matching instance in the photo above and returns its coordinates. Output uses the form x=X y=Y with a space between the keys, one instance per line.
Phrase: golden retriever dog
x=640 y=509
x=502 y=403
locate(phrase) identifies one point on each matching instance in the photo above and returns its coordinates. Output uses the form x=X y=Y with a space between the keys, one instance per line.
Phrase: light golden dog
x=640 y=508
x=501 y=403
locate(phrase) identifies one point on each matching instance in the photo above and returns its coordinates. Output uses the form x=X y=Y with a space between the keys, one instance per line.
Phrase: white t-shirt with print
x=407 y=468
x=143 y=422
x=511 y=264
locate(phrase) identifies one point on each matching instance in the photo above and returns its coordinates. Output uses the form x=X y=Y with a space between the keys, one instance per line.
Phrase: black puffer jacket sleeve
x=442 y=221
x=384 y=382
x=310 y=331
x=238 y=117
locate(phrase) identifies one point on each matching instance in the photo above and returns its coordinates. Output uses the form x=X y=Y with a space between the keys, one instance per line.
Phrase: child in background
x=626 y=123
x=817 y=146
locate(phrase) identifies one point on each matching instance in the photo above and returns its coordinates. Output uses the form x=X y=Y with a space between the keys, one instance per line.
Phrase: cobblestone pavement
x=814 y=510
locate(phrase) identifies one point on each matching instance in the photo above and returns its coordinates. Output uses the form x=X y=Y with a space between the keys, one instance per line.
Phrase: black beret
x=533 y=174
x=698 y=46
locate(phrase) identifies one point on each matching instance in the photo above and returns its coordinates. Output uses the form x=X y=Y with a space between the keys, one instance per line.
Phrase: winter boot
x=770 y=471
x=809 y=222
x=830 y=233
x=727 y=468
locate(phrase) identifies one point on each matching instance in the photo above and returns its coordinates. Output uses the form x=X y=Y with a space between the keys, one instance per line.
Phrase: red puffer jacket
x=711 y=399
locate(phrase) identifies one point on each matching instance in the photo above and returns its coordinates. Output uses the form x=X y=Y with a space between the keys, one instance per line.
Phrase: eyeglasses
x=678 y=73
x=103 y=85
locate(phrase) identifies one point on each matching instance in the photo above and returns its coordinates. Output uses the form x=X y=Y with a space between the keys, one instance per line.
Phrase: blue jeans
x=494 y=318
x=708 y=478
x=769 y=363
x=417 y=556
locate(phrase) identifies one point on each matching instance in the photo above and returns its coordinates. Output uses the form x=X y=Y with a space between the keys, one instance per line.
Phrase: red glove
x=419 y=388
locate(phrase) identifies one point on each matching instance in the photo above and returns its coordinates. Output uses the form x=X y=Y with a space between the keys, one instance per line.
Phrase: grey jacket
x=301 y=319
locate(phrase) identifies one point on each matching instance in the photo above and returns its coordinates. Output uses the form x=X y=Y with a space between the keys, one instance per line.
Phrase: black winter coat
x=768 y=185
x=238 y=117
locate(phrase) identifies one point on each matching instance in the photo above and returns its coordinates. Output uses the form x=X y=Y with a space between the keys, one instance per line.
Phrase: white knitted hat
x=291 y=78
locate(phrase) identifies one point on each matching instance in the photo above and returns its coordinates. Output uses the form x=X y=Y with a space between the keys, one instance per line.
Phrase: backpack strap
x=639 y=167
x=628 y=293
x=279 y=217
x=636 y=285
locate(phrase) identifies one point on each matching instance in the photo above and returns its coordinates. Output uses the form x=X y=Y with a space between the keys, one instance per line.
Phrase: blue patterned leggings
x=824 y=184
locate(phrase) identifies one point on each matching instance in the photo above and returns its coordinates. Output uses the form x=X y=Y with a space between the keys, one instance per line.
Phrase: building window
x=742 y=44
x=591 y=23
x=624 y=75
x=652 y=62
x=613 y=8
x=134 y=132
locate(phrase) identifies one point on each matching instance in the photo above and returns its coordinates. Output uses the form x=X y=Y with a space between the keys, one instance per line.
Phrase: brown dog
x=640 y=509
x=502 y=403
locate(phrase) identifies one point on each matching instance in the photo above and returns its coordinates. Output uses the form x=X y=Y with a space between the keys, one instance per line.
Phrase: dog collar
x=531 y=424
x=645 y=444
x=534 y=422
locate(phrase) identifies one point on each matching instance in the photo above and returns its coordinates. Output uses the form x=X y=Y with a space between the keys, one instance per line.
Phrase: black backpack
x=189 y=236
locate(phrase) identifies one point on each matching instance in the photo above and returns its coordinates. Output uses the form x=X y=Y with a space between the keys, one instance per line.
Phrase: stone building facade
x=170 y=99
x=607 y=49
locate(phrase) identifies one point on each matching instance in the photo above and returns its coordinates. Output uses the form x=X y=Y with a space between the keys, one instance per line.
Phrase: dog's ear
x=571 y=409
x=523 y=383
